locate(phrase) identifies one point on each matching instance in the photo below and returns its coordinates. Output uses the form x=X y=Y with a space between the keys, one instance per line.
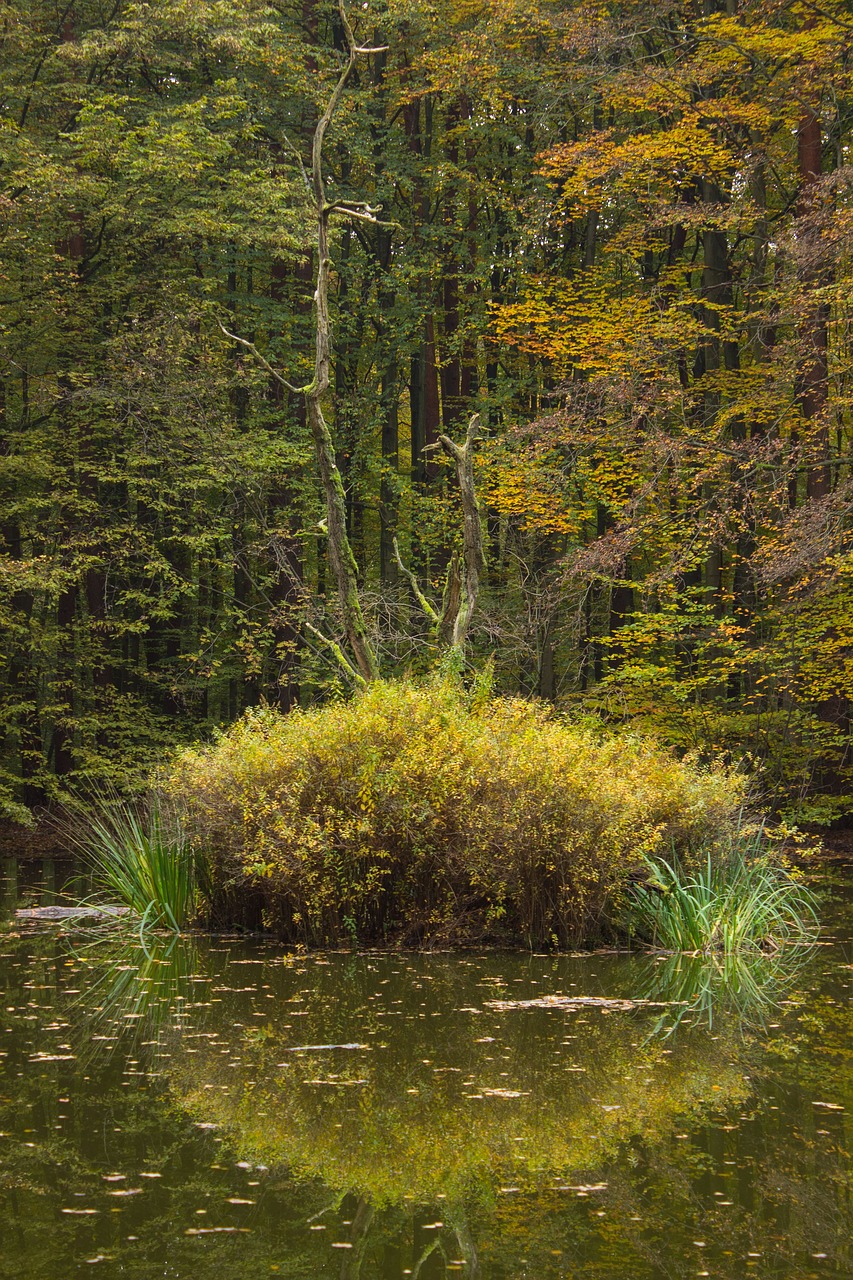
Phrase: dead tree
x=341 y=557
x=451 y=624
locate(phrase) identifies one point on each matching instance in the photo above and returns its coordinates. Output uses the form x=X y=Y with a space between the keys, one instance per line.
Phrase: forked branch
x=463 y=582
x=473 y=559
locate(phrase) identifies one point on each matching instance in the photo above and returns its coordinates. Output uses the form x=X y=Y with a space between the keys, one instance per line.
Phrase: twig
x=244 y=342
x=296 y=153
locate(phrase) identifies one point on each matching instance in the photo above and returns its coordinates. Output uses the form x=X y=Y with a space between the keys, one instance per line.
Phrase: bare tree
x=452 y=623
x=341 y=555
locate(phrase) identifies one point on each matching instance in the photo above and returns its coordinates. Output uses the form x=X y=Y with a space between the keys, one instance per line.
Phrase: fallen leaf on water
x=212 y=1231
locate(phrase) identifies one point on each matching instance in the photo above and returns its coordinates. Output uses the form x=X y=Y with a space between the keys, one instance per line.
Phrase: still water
x=218 y=1109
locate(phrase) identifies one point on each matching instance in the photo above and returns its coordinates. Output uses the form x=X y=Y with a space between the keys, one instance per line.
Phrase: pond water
x=220 y=1109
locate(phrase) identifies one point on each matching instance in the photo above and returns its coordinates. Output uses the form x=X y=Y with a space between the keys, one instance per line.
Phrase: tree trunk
x=813 y=371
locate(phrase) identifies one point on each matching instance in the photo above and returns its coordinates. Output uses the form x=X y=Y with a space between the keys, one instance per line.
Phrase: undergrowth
x=415 y=811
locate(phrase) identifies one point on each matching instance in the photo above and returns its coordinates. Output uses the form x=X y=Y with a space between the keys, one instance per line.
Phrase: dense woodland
x=621 y=233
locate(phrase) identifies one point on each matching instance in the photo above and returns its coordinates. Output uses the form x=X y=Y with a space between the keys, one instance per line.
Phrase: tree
x=621 y=237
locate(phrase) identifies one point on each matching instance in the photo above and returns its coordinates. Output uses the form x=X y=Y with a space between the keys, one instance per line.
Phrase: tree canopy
x=619 y=233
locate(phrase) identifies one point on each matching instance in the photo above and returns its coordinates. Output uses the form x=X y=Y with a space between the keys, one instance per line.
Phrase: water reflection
x=220 y=1109
x=744 y=988
x=137 y=989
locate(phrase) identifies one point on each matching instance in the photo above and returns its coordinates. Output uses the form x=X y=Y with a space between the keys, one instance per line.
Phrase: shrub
x=408 y=809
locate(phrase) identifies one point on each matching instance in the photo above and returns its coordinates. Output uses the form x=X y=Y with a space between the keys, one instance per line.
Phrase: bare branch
x=352 y=205
x=413 y=583
x=297 y=154
x=244 y=342
x=365 y=217
x=338 y=653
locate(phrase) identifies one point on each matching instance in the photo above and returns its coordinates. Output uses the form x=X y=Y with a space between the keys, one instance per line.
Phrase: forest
x=341 y=341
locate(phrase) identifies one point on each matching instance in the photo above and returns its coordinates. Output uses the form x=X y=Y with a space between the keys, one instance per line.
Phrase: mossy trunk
x=341 y=554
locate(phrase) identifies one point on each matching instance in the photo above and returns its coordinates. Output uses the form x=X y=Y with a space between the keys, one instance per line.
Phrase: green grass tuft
x=728 y=905
x=141 y=858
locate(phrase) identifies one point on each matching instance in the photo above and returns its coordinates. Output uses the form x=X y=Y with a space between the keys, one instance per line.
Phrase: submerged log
x=572 y=1002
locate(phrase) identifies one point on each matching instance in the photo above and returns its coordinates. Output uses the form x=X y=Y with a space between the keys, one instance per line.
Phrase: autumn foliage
x=620 y=233
x=416 y=812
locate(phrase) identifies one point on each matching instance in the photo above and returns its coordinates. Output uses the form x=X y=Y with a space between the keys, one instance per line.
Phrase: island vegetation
x=440 y=414
x=413 y=812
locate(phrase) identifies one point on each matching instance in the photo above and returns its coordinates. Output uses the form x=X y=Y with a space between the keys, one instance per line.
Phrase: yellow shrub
x=408 y=813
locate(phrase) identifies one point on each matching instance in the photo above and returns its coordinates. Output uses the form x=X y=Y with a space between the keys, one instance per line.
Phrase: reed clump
x=140 y=857
x=726 y=903
x=417 y=812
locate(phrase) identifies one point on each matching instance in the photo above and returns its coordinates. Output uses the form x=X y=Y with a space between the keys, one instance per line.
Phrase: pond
x=222 y=1109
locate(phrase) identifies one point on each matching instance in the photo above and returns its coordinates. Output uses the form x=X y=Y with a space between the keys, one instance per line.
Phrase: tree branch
x=413 y=583
x=296 y=153
x=339 y=654
x=244 y=342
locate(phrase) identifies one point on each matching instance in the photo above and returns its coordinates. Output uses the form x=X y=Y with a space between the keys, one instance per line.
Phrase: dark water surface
x=220 y=1110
